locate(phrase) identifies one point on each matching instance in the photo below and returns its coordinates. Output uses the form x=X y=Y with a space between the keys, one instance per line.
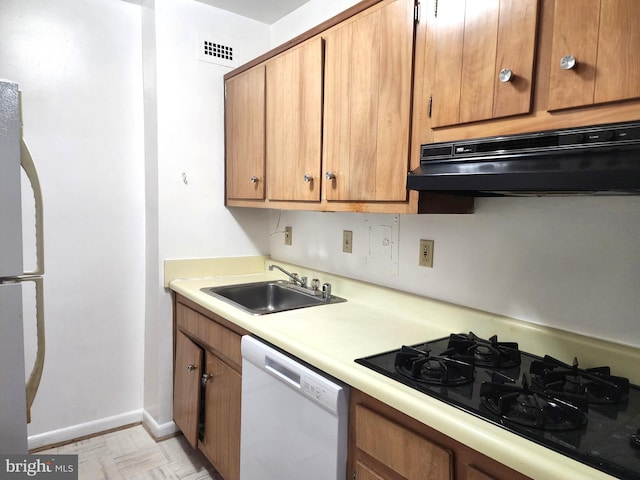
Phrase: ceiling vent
x=216 y=51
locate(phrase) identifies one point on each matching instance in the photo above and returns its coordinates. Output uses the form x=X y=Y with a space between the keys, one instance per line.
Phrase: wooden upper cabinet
x=601 y=36
x=483 y=59
x=245 y=132
x=367 y=95
x=294 y=123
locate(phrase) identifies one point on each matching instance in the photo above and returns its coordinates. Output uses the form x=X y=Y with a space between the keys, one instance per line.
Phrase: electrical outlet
x=288 y=234
x=426 y=253
x=347 y=241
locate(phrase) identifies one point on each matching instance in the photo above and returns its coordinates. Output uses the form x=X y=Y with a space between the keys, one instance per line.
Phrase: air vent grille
x=218 y=50
x=214 y=51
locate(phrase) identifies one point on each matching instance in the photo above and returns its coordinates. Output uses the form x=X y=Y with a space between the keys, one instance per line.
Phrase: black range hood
x=602 y=159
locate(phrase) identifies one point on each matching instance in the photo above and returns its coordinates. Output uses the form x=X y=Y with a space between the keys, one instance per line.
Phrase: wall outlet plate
x=426 y=253
x=347 y=241
x=288 y=234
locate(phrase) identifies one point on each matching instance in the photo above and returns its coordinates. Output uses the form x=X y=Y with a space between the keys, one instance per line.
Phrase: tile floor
x=132 y=454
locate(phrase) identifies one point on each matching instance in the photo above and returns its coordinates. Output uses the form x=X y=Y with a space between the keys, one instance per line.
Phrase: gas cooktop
x=588 y=414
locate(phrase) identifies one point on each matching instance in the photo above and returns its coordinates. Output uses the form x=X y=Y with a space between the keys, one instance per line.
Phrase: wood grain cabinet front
x=208 y=384
x=367 y=104
x=221 y=437
x=594 y=55
x=294 y=123
x=389 y=450
x=483 y=59
x=186 y=387
x=244 y=135
x=385 y=444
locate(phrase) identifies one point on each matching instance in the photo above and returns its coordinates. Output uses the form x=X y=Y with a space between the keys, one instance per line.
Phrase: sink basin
x=260 y=298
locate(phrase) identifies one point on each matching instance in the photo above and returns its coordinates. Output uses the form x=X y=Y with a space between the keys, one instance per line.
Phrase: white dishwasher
x=294 y=418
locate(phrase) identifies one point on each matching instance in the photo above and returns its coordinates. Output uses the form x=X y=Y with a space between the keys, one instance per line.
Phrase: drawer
x=215 y=337
x=399 y=448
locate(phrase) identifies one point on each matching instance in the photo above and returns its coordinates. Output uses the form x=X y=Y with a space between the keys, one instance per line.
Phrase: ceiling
x=265 y=11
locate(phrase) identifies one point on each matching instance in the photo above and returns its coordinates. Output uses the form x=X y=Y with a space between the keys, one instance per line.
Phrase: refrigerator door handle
x=33 y=382
x=29 y=168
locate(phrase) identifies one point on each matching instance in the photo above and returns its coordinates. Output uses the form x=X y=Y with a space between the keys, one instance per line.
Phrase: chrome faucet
x=326 y=291
x=295 y=279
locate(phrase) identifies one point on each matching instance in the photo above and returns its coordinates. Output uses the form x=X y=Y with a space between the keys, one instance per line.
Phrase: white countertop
x=376 y=319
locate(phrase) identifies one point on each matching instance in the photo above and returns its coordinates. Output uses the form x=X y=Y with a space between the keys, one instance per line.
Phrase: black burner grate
x=596 y=384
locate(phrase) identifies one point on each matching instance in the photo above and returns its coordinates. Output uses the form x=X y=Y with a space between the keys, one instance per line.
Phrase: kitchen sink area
x=273 y=296
x=261 y=298
x=332 y=339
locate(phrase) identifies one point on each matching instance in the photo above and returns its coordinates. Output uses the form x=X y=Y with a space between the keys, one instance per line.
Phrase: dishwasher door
x=294 y=418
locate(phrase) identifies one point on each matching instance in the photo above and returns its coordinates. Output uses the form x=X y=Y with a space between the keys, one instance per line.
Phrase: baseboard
x=67 y=434
x=156 y=430
x=97 y=427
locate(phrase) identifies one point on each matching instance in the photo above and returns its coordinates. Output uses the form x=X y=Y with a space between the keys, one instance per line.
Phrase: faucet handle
x=326 y=291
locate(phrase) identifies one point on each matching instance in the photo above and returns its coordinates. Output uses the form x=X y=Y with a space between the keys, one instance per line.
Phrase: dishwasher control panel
x=316 y=389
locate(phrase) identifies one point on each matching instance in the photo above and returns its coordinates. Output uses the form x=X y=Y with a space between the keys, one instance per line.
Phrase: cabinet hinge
x=435 y=8
x=353 y=477
x=416 y=12
x=430 y=105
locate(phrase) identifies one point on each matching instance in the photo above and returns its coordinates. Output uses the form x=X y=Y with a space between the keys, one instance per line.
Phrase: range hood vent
x=603 y=159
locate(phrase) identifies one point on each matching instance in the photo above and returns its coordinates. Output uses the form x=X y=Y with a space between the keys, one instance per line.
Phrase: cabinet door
x=575 y=33
x=294 y=123
x=599 y=35
x=244 y=135
x=474 y=42
x=618 y=72
x=186 y=387
x=221 y=443
x=368 y=70
x=404 y=452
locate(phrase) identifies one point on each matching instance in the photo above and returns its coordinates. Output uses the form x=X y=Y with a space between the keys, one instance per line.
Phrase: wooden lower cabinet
x=186 y=387
x=385 y=444
x=221 y=439
x=207 y=384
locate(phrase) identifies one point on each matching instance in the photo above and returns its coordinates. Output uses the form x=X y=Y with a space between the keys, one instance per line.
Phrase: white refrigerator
x=16 y=391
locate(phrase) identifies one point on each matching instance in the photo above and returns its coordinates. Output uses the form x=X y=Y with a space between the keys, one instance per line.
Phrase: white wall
x=186 y=217
x=571 y=263
x=78 y=64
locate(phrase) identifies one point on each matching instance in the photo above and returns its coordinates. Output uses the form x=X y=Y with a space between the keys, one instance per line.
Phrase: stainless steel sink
x=260 y=298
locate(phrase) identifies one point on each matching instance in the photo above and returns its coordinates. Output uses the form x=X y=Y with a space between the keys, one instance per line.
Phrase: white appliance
x=294 y=418
x=16 y=398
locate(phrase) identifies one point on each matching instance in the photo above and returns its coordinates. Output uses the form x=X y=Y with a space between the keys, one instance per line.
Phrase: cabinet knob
x=308 y=177
x=205 y=378
x=191 y=367
x=330 y=175
x=505 y=75
x=254 y=179
x=568 y=62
